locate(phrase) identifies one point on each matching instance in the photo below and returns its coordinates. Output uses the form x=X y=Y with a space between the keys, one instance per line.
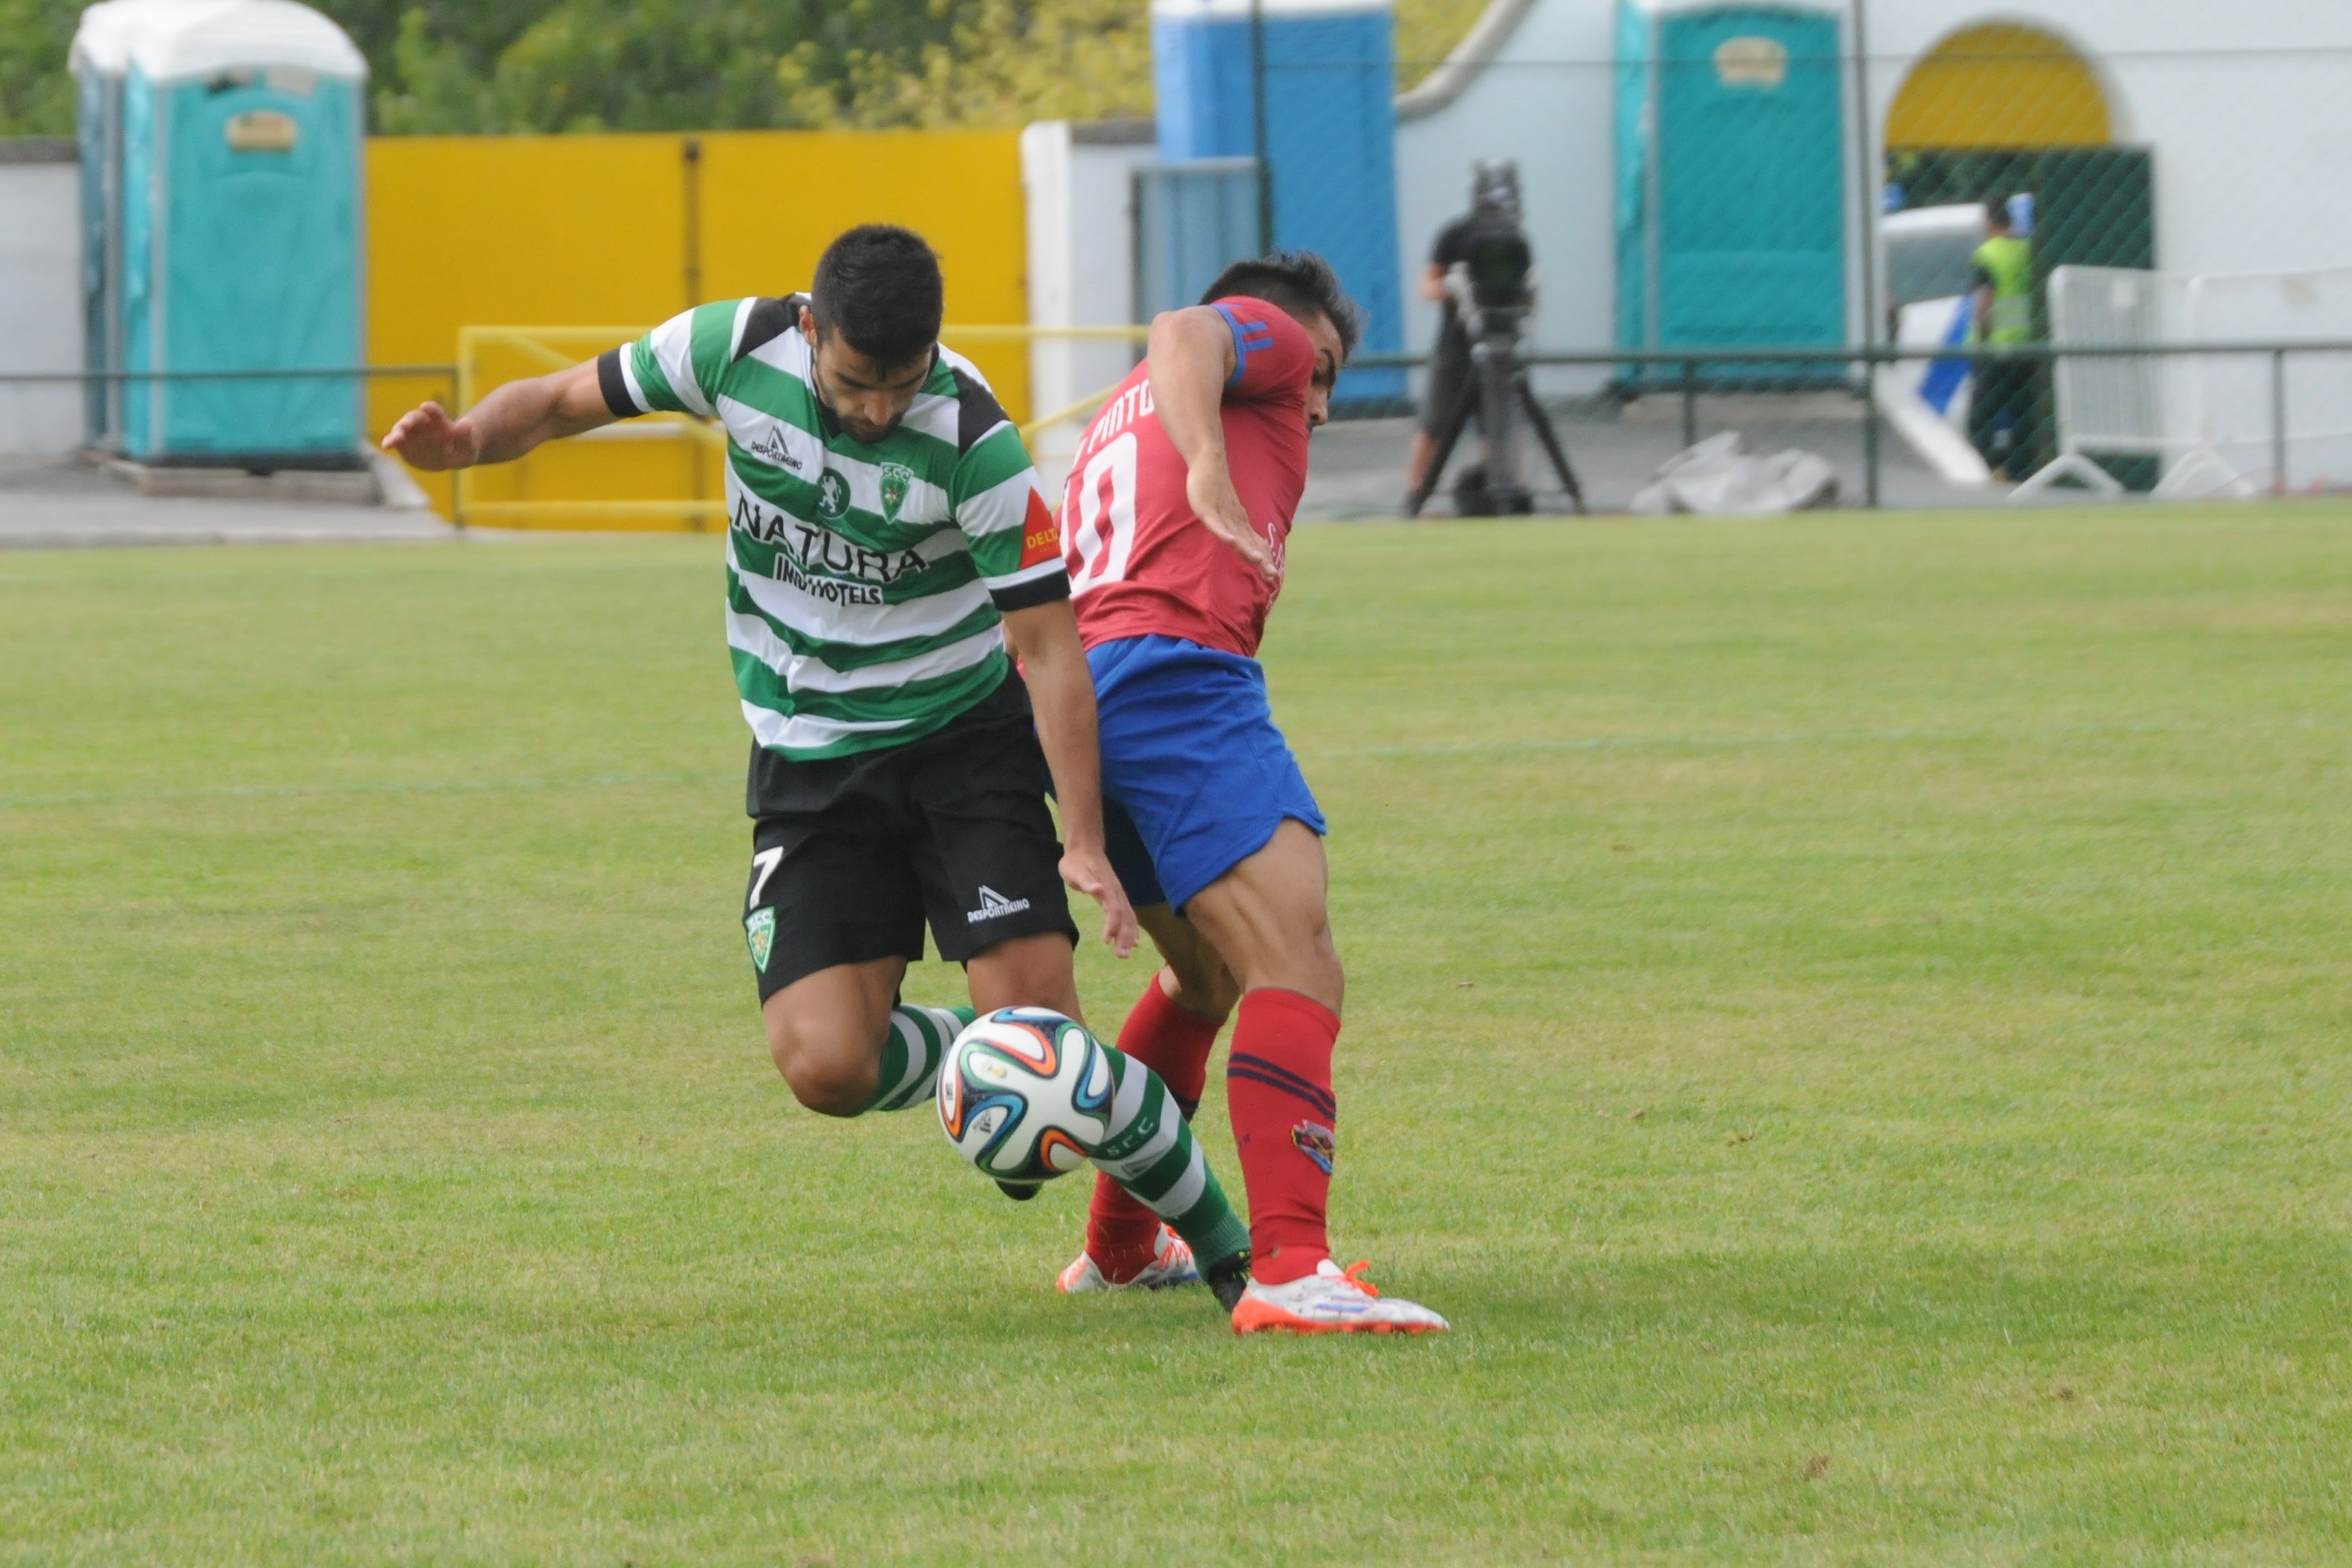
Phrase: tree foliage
x=457 y=66
x=1426 y=30
x=36 y=94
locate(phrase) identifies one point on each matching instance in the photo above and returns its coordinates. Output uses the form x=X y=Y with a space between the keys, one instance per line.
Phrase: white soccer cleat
x=1171 y=1264
x=1330 y=1301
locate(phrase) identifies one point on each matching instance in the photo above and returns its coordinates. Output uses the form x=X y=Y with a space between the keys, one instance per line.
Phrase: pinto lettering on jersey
x=1130 y=404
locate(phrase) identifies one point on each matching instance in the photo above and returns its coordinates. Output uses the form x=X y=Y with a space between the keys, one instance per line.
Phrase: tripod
x=1496 y=390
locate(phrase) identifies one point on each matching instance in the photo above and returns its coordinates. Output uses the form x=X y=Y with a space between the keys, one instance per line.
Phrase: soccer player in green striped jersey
x=888 y=549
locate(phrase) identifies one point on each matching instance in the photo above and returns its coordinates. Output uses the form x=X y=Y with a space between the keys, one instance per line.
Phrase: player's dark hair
x=878 y=286
x=1299 y=283
x=1997 y=213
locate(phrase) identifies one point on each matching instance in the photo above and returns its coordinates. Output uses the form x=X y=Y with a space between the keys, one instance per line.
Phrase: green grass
x=1848 y=1015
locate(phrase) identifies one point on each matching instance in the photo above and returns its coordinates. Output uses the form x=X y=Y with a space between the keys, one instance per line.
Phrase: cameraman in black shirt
x=1449 y=363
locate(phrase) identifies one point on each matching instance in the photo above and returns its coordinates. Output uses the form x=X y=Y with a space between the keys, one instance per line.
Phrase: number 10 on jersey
x=1104 y=531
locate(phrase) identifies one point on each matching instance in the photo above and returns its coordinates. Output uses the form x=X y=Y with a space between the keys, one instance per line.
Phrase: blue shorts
x=1195 y=777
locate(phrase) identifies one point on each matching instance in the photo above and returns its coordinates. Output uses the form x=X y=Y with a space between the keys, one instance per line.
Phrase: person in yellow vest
x=2002 y=408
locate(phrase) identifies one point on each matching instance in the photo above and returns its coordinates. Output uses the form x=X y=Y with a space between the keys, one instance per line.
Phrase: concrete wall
x=40 y=294
x=1079 y=184
x=2245 y=106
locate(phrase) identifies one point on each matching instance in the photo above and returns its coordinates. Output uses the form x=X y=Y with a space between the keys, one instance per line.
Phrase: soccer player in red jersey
x=1173 y=526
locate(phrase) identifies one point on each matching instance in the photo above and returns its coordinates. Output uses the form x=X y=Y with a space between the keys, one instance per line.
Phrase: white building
x=1080 y=183
x=40 y=294
x=2246 y=109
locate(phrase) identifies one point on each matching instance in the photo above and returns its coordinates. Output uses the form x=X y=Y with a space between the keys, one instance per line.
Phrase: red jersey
x=1141 y=563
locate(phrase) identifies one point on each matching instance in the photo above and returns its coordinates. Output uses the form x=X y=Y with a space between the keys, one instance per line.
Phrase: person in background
x=2000 y=285
x=1449 y=362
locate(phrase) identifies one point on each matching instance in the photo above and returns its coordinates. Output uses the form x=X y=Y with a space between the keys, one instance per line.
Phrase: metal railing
x=1689 y=375
x=560 y=348
x=322 y=373
x=1695 y=371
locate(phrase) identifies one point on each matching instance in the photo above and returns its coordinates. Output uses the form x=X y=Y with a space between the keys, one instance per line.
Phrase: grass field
x=1849 y=1016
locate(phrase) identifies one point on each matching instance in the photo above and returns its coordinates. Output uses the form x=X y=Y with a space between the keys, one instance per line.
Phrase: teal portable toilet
x=222 y=142
x=1731 y=179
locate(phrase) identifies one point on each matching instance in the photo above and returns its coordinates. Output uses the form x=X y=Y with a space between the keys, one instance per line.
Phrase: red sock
x=1174 y=1043
x=1278 y=1089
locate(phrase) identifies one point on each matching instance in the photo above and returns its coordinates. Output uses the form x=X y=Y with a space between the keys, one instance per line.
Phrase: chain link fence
x=1953 y=263
x=1786 y=224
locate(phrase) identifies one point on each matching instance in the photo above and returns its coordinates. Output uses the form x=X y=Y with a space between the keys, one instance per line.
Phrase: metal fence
x=1768 y=221
x=1728 y=168
x=2130 y=421
x=1766 y=203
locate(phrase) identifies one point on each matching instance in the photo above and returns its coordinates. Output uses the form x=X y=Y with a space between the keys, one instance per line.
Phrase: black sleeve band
x=1038 y=591
x=615 y=386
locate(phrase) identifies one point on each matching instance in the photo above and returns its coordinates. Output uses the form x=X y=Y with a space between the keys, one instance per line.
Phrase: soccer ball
x=1024 y=1094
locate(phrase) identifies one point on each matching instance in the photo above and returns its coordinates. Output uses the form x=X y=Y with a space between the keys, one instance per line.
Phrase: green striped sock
x=1151 y=1151
x=911 y=1054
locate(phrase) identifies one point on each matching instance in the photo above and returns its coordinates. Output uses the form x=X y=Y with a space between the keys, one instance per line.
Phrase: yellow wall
x=2000 y=85
x=595 y=231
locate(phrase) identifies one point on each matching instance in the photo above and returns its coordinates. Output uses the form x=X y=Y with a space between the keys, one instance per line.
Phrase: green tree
x=456 y=65
x=1427 y=32
x=1002 y=62
x=645 y=64
x=37 y=96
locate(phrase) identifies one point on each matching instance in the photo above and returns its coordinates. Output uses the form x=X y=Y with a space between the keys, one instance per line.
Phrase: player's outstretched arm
x=1062 y=694
x=504 y=425
x=1192 y=358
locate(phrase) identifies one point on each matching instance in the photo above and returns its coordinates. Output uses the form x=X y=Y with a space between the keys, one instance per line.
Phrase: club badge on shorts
x=761 y=928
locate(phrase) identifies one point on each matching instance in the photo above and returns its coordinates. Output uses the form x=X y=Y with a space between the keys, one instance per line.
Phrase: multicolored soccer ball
x=1024 y=1094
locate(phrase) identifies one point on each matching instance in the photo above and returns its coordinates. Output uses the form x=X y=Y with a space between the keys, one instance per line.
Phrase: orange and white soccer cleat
x=1171 y=1264
x=1330 y=1301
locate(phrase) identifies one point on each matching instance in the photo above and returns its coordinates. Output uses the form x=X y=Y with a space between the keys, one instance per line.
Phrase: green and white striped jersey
x=863 y=583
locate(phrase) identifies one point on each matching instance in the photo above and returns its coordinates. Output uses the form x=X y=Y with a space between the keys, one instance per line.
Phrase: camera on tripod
x=1500 y=273
x=1493 y=291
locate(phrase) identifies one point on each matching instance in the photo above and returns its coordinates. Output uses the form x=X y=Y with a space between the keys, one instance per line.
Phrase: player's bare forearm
x=1192 y=358
x=509 y=423
x=1062 y=695
x=522 y=416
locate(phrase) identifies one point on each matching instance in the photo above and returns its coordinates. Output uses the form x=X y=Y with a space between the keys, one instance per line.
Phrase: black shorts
x=851 y=855
x=1449 y=369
